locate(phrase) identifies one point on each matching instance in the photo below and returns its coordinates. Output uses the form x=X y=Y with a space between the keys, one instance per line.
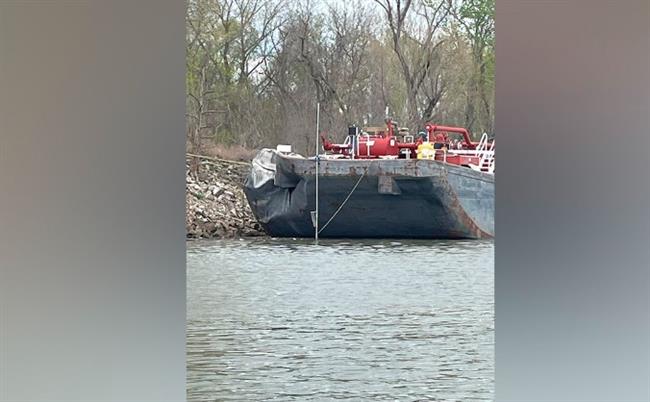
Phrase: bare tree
x=415 y=41
x=258 y=20
x=202 y=70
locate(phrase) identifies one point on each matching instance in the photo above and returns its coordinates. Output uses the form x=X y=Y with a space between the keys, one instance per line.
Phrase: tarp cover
x=274 y=194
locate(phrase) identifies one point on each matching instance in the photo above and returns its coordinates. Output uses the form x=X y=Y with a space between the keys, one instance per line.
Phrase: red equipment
x=368 y=146
x=385 y=144
x=431 y=129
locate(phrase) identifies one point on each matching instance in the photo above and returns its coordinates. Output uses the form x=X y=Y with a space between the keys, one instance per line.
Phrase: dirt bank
x=215 y=204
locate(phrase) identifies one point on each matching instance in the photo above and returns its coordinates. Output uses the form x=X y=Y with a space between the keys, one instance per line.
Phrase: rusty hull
x=395 y=198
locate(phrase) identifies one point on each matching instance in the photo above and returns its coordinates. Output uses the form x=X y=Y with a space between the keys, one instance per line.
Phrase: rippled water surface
x=359 y=320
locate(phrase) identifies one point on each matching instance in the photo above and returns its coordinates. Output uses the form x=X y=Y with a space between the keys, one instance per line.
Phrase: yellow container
x=426 y=151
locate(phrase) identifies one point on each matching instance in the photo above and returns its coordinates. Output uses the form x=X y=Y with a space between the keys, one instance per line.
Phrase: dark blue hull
x=392 y=199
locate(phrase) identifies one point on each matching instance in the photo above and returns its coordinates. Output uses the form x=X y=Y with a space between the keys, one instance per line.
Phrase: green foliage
x=480 y=20
x=254 y=74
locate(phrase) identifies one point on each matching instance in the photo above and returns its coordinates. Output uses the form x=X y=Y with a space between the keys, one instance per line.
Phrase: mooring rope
x=212 y=158
x=346 y=198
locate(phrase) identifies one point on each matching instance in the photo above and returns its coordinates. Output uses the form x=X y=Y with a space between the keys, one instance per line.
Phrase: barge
x=378 y=184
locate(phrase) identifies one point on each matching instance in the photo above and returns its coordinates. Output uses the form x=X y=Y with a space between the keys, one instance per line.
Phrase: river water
x=288 y=320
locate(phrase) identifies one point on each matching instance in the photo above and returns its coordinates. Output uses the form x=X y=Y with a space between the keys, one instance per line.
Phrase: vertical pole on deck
x=317 y=165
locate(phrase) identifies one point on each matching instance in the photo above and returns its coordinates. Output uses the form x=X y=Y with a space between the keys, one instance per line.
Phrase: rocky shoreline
x=215 y=204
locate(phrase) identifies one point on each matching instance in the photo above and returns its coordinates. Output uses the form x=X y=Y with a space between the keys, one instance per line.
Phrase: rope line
x=346 y=199
x=212 y=158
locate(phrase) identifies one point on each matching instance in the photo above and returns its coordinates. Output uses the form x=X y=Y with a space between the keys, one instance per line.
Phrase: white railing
x=487 y=161
x=482 y=144
x=485 y=153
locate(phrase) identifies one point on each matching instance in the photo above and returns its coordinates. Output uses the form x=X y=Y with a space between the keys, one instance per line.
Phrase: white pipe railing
x=485 y=153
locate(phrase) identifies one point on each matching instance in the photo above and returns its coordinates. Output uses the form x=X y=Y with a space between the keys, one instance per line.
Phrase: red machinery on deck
x=367 y=146
x=385 y=144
